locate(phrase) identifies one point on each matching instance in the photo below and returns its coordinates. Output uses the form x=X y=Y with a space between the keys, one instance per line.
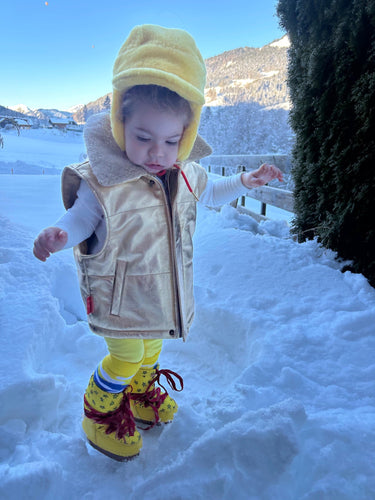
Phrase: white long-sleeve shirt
x=86 y=215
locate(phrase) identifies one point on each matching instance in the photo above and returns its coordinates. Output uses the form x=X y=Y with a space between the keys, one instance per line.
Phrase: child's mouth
x=155 y=167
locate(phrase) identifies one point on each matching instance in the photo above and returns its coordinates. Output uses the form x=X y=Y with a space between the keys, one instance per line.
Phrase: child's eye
x=142 y=139
x=172 y=143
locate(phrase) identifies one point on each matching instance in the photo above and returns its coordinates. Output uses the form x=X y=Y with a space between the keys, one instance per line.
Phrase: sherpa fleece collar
x=109 y=164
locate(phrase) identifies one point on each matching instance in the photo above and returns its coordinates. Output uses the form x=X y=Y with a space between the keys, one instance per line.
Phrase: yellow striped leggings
x=125 y=358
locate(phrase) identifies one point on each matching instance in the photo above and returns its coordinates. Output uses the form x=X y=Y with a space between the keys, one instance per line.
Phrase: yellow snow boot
x=149 y=404
x=109 y=423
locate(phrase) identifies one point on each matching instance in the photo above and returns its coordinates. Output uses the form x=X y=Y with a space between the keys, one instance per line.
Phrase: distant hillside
x=38 y=117
x=249 y=75
x=10 y=112
x=244 y=75
x=101 y=104
x=246 y=128
x=247 y=102
x=45 y=114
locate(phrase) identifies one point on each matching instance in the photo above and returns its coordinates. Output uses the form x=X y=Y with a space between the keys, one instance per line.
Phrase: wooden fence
x=267 y=195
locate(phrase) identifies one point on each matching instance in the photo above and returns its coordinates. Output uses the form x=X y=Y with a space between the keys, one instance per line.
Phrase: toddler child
x=131 y=211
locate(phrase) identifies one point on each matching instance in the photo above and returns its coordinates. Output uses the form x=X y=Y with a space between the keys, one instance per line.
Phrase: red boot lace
x=120 y=421
x=153 y=397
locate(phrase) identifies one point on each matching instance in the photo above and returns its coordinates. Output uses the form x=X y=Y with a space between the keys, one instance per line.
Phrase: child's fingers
x=40 y=251
x=271 y=172
x=48 y=243
x=44 y=245
x=264 y=174
x=54 y=239
x=277 y=174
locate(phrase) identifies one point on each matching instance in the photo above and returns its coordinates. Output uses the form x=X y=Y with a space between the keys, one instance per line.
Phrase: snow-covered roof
x=60 y=121
x=21 y=121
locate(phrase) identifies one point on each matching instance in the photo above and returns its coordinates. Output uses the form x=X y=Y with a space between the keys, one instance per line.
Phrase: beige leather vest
x=140 y=284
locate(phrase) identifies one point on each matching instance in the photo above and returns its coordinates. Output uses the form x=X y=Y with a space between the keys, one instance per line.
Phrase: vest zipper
x=170 y=219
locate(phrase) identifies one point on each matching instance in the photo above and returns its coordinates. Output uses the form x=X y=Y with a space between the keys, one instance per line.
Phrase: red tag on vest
x=89 y=305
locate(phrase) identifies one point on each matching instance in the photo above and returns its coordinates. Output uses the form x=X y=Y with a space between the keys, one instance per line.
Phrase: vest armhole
x=70 y=182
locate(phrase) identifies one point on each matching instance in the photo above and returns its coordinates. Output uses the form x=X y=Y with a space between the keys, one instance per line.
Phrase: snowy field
x=38 y=151
x=278 y=369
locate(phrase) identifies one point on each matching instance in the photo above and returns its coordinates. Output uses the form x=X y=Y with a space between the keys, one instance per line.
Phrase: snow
x=38 y=151
x=281 y=43
x=242 y=82
x=21 y=108
x=219 y=101
x=74 y=109
x=268 y=74
x=278 y=368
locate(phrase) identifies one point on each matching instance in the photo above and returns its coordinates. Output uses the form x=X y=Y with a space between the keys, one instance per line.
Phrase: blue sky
x=60 y=53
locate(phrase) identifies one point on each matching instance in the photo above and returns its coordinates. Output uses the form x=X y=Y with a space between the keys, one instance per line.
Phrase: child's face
x=152 y=137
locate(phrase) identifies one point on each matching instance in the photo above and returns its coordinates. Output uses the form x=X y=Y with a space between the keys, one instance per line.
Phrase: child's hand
x=50 y=240
x=265 y=173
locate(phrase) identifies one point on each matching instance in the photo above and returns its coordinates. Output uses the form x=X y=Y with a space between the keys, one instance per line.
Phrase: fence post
x=242 y=168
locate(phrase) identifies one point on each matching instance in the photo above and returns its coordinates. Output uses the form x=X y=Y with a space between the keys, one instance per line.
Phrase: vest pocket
x=118 y=287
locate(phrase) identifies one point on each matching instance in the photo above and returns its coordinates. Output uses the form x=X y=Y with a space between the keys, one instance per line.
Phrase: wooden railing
x=267 y=195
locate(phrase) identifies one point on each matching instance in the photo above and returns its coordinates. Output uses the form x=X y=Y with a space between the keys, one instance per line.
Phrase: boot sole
x=118 y=458
x=91 y=435
x=149 y=423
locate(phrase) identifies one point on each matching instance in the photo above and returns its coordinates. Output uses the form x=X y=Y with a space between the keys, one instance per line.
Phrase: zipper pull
x=186 y=181
x=89 y=305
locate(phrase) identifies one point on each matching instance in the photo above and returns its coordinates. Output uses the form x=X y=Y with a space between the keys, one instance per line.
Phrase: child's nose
x=156 y=149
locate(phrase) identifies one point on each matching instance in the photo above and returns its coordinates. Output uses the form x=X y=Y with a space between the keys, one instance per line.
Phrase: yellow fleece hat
x=153 y=55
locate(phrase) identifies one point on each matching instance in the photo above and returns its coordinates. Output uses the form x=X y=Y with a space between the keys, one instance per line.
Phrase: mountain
x=244 y=75
x=53 y=113
x=246 y=129
x=247 y=102
x=283 y=42
x=10 y=112
x=75 y=108
x=22 y=108
x=38 y=117
x=249 y=75
x=84 y=112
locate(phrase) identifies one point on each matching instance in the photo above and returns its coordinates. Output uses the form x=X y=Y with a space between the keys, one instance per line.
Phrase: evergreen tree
x=85 y=113
x=107 y=103
x=332 y=86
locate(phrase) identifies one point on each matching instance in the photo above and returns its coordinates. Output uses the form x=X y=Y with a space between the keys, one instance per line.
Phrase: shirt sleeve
x=221 y=190
x=81 y=220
